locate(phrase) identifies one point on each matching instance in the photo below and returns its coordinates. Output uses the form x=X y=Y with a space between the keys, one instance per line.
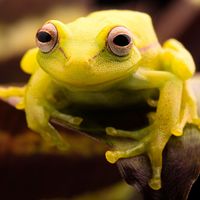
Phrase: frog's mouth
x=96 y=86
x=89 y=74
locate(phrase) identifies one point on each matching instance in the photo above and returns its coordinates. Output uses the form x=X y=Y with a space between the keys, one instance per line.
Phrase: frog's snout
x=79 y=63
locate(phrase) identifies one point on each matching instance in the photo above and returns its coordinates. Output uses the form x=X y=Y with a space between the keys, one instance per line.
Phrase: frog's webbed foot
x=149 y=141
x=138 y=149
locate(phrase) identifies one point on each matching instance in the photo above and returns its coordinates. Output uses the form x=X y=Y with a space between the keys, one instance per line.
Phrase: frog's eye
x=47 y=37
x=119 y=41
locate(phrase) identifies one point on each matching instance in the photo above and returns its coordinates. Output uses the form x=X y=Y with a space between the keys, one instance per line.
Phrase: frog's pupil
x=122 y=40
x=44 y=36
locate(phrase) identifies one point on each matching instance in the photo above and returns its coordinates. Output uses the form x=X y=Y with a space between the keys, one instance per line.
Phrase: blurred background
x=29 y=168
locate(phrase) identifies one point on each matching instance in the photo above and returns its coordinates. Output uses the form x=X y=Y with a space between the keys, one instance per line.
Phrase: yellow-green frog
x=99 y=61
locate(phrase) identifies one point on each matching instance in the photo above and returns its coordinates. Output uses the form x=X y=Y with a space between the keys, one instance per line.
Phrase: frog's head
x=95 y=50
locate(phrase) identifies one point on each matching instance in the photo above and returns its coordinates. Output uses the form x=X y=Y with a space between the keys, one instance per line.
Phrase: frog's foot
x=48 y=133
x=76 y=121
x=188 y=115
x=13 y=96
x=51 y=136
x=141 y=148
x=113 y=156
x=189 y=110
x=38 y=120
x=154 y=153
x=155 y=181
x=177 y=130
x=196 y=122
x=150 y=141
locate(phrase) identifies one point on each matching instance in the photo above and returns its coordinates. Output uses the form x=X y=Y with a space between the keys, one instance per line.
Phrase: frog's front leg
x=158 y=133
x=42 y=102
x=38 y=118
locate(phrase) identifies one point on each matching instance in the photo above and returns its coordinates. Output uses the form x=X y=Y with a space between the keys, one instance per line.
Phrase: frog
x=99 y=61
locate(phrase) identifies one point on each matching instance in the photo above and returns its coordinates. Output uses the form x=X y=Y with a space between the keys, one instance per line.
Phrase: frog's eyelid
x=102 y=35
x=106 y=30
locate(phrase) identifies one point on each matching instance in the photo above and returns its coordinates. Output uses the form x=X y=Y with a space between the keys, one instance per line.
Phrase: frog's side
x=101 y=60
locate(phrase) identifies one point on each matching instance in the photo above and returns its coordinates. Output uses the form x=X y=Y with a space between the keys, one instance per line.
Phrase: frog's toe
x=155 y=183
x=63 y=146
x=113 y=156
x=196 y=122
x=177 y=131
x=111 y=131
x=75 y=121
x=67 y=118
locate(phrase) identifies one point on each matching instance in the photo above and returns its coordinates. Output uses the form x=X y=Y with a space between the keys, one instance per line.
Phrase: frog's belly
x=120 y=109
x=110 y=99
